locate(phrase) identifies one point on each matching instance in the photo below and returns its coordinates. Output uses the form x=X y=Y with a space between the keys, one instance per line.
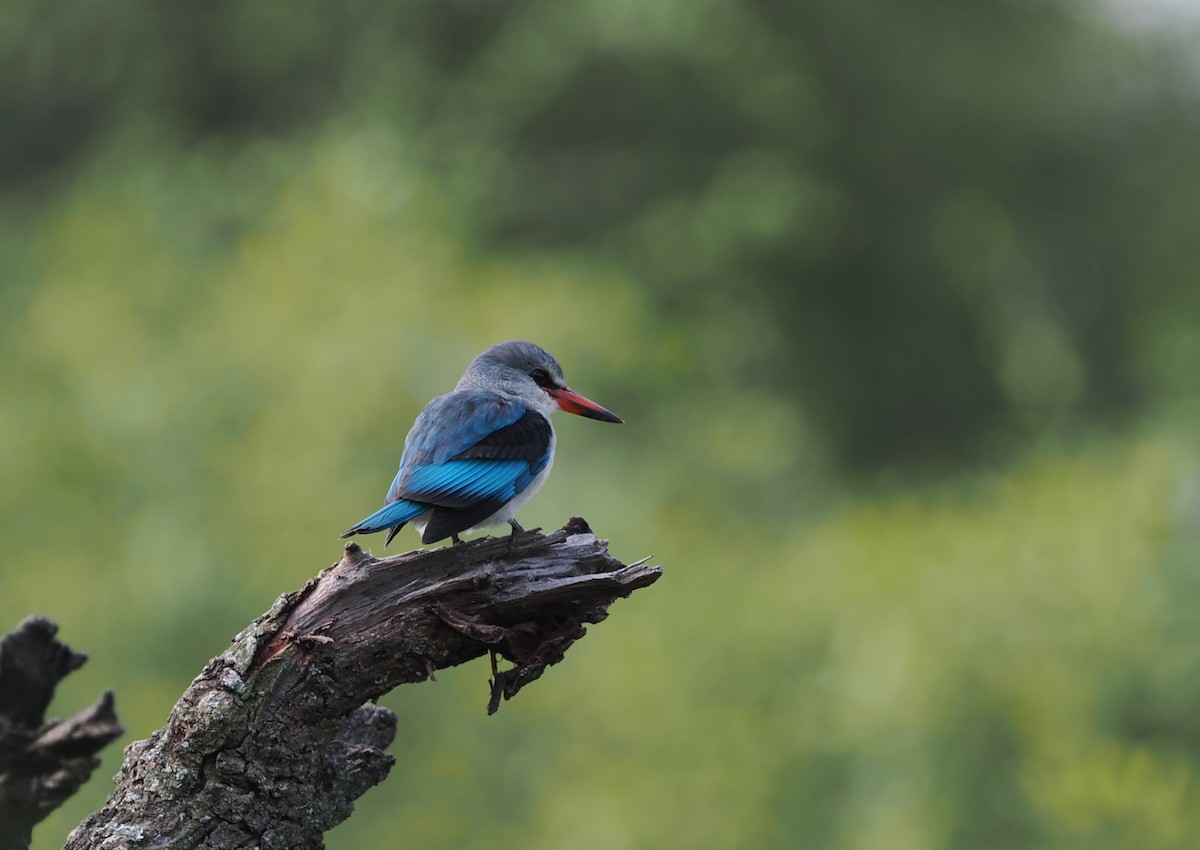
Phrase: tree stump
x=42 y=764
x=271 y=744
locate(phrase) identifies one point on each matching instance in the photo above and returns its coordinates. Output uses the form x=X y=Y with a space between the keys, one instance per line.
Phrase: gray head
x=530 y=373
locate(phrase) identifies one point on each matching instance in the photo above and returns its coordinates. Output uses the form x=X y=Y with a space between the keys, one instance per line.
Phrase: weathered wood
x=272 y=743
x=42 y=764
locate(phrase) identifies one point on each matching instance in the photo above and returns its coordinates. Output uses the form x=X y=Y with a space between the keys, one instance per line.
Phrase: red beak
x=573 y=402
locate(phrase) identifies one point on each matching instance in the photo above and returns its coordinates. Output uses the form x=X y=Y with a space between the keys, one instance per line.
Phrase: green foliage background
x=899 y=303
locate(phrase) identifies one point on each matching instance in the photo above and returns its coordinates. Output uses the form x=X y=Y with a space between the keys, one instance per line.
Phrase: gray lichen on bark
x=272 y=743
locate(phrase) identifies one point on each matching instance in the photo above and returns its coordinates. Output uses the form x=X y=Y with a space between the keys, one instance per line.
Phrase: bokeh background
x=899 y=300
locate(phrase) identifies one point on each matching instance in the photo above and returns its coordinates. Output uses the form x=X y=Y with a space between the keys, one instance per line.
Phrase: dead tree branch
x=272 y=743
x=42 y=764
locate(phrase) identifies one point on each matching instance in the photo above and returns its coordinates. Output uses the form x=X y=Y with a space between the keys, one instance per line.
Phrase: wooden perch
x=42 y=764
x=271 y=744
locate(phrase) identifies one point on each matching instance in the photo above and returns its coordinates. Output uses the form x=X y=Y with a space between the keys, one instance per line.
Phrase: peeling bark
x=271 y=744
x=42 y=764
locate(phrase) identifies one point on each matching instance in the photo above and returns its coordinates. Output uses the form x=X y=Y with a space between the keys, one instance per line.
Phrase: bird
x=476 y=455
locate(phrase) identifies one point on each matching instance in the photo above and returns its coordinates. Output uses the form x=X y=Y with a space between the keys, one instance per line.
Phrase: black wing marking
x=526 y=439
x=446 y=521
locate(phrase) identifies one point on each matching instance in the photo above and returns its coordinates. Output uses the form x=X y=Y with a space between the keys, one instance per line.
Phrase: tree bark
x=42 y=764
x=271 y=744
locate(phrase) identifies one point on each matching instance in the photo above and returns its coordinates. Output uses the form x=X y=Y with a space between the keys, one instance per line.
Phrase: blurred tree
x=779 y=237
x=944 y=218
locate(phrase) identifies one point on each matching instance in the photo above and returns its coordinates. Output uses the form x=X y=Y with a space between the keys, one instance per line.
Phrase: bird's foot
x=455 y=540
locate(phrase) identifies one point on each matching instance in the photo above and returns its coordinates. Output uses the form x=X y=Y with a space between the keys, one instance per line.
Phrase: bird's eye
x=540 y=377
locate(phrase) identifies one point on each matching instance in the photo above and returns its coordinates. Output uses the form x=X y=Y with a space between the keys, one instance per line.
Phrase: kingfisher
x=475 y=456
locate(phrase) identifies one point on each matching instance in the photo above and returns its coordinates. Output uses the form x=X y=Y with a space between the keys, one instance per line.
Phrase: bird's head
x=530 y=373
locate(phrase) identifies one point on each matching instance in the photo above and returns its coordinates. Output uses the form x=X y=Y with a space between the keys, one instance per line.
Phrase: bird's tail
x=393 y=515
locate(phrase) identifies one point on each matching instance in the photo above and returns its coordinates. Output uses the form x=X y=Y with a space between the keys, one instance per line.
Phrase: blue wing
x=468 y=454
